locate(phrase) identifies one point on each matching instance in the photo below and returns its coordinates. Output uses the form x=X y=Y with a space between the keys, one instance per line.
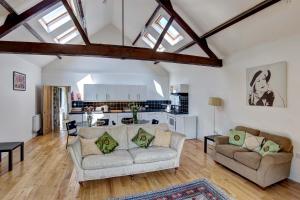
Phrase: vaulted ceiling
x=275 y=22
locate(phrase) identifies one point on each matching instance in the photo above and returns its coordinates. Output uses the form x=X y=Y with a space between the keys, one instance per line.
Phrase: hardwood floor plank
x=48 y=173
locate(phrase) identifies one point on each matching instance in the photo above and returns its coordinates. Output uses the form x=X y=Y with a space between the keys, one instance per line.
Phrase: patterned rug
x=197 y=190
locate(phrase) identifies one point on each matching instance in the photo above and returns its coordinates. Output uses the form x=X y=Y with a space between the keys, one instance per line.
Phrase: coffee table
x=9 y=147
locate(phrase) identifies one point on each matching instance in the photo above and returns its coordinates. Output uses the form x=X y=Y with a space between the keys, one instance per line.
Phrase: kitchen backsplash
x=152 y=105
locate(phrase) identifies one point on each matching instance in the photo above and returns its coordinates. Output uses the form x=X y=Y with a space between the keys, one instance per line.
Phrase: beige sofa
x=263 y=171
x=128 y=158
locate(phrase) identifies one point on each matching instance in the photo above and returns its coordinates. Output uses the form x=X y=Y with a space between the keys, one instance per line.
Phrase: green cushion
x=106 y=143
x=269 y=147
x=237 y=137
x=143 y=139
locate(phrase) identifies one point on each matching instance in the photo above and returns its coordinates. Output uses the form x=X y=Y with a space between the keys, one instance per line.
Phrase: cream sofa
x=263 y=171
x=128 y=158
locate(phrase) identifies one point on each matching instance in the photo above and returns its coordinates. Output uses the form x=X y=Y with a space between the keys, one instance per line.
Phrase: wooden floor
x=47 y=173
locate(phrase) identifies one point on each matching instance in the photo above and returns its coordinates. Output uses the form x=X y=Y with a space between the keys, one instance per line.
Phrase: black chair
x=72 y=130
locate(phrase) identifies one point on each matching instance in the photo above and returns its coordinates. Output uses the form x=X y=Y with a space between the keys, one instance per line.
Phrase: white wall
x=229 y=83
x=18 y=107
x=69 y=70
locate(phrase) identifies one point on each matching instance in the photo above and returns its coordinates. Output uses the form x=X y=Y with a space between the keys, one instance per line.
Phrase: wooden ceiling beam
x=162 y=35
x=81 y=14
x=147 y=24
x=14 y=21
x=259 y=7
x=11 y=10
x=104 y=50
x=201 y=42
x=76 y=22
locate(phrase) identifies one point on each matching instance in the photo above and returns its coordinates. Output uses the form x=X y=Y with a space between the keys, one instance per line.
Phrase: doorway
x=56 y=106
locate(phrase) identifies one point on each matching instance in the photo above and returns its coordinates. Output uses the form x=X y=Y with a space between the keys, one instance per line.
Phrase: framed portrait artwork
x=267 y=85
x=19 y=81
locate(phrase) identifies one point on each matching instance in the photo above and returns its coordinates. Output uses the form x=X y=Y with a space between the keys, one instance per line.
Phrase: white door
x=90 y=92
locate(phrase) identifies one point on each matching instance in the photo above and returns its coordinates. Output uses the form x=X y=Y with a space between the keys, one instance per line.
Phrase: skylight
x=151 y=41
x=67 y=36
x=172 y=36
x=55 y=19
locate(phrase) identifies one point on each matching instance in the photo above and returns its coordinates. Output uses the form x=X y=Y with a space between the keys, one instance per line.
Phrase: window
x=67 y=36
x=151 y=41
x=55 y=19
x=172 y=36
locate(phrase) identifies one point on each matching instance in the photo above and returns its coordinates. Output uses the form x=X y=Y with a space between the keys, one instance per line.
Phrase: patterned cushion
x=162 y=138
x=88 y=147
x=106 y=143
x=269 y=147
x=143 y=138
x=237 y=137
x=253 y=143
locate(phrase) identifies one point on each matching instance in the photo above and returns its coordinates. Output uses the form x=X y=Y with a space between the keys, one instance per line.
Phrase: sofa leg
x=175 y=170
x=132 y=177
x=81 y=183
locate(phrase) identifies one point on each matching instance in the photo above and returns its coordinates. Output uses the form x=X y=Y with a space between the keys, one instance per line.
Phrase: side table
x=210 y=138
x=9 y=147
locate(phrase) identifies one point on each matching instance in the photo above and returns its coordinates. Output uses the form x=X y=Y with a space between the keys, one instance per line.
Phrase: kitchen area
x=109 y=105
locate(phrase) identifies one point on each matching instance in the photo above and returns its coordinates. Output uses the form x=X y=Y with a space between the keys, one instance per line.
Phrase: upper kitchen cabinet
x=101 y=92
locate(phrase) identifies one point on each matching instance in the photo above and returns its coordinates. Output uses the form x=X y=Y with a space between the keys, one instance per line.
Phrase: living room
x=248 y=43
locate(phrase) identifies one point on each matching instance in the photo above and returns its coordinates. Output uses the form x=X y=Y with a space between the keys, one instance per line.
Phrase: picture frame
x=19 y=81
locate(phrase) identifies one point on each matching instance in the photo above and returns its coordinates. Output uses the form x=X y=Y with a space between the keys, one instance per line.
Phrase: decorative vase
x=135 y=118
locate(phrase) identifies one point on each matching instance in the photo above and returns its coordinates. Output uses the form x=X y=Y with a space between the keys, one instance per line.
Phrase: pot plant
x=134 y=109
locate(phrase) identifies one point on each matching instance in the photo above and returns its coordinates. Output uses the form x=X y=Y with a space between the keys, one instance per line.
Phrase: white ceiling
x=273 y=23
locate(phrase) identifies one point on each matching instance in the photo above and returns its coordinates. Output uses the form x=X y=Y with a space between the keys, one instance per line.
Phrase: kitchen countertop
x=143 y=111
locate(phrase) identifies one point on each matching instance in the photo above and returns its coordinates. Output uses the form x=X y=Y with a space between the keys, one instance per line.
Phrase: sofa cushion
x=115 y=159
x=228 y=150
x=143 y=139
x=253 y=143
x=237 y=137
x=89 y=147
x=269 y=147
x=162 y=138
x=252 y=131
x=106 y=143
x=152 y=154
x=250 y=159
x=284 y=142
x=133 y=129
x=119 y=133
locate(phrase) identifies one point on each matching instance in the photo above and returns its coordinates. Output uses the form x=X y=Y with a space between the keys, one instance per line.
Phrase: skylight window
x=55 y=19
x=67 y=36
x=172 y=36
x=151 y=41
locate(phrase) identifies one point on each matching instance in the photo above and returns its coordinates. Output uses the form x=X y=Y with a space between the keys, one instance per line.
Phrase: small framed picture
x=19 y=81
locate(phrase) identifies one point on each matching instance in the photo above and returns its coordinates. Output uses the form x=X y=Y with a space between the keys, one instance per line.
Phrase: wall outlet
x=298 y=155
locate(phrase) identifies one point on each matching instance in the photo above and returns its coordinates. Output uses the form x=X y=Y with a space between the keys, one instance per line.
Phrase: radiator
x=36 y=123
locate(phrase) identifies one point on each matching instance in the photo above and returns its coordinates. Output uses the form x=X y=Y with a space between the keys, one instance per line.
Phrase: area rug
x=197 y=190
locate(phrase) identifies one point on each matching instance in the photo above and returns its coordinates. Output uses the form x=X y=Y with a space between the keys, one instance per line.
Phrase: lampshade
x=215 y=101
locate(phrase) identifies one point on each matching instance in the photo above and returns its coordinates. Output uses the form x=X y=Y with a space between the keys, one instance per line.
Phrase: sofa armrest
x=275 y=159
x=222 y=140
x=177 y=141
x=74 y=149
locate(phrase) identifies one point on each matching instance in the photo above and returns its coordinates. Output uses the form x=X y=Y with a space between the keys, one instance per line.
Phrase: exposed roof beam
x=81 y=14
x=200 y=41
x=76 y=22
x=11 y=10
x=162 y=35
x=14 y=21
x=147 y=24
x=259 y=7
x=103 y=50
